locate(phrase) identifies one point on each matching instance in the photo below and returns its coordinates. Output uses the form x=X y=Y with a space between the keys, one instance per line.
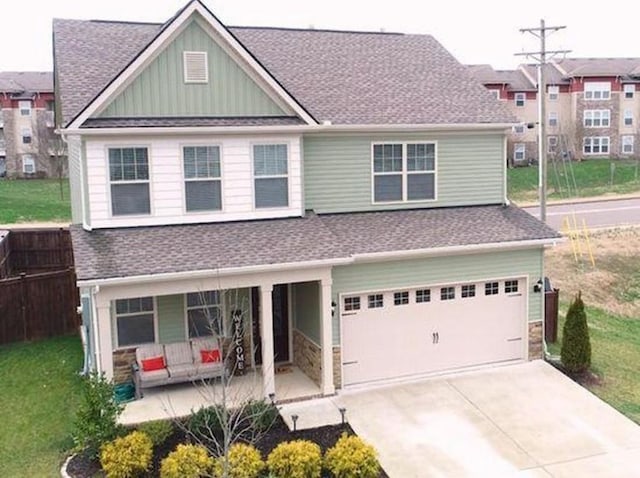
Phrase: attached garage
x=388 y=334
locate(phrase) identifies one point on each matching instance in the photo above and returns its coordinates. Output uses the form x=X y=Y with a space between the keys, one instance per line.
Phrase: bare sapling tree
x=52 y=148
x=235 y=409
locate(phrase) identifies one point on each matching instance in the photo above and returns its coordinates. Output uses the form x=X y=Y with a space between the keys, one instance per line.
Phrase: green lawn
x=594 y=177
x=615 y=349
x=39 y=391
x=28 y=200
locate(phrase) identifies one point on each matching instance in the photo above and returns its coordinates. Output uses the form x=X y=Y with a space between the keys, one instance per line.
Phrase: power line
x=541 y=56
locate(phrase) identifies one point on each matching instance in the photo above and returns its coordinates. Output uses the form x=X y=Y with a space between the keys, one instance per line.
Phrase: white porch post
x=326 y=337
x=266 y=334
x=104 y=353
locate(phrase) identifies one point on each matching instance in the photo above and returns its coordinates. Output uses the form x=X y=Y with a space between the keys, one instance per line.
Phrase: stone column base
x=535 y=340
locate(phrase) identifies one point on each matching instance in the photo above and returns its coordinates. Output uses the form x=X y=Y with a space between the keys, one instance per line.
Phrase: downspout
x=504 y=170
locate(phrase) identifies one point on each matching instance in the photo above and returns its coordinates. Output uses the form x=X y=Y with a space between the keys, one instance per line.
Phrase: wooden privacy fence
x=40 y=250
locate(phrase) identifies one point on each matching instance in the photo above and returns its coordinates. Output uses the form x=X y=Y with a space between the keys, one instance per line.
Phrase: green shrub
x=575 y=352
x=245 y=461
x=187 y=461
x=260 y=414
x=127 y=456
x=296 y=459
x=206 y=422
x=96 y=421
x=351 y=457
x=159 y=431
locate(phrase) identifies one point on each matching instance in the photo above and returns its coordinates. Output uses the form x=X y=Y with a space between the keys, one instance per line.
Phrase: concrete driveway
x=525 y=420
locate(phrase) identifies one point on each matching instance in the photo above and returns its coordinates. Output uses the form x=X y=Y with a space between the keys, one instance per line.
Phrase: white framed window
x=597 y=118
x=423 y=295
x=554 y=92
x=628 y=117
x=510 y=286
x=204 y=314
x=376 y=301
x=196 y=68
x=404 y=172
x=129 y=181
x=401 y=298
x=495 y=93
x=629 y=90
x=627 y=144
x=25 y=107
x=351 y=304
x=468 y=291
x=552 y=144
x=135 y=321
x=447 y=293
x=597 y=90
x=519 y=151
x=520 y=98
x=271 y=175
x=595 y=145
x=553 y=119
x=28 y=164
x=27 y=137
x=519 y=128
x=202 y=178
x=491 y=288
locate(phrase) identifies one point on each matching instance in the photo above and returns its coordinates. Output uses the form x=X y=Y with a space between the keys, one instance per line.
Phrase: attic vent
x=195 y=67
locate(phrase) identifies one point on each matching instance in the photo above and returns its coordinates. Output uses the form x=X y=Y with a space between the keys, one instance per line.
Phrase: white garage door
x=390 y=334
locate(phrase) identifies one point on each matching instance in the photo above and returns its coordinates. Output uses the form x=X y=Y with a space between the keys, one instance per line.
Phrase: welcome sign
x=238 y=341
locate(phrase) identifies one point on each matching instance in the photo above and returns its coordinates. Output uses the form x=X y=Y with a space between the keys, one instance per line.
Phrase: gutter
x=327 y=127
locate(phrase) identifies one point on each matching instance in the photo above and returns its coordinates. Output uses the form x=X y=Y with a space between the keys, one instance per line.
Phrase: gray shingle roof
x=515 y=80
x=164 y=249
x=343 y=77
x=600 y=66
x=26 y=81
x=195 y=121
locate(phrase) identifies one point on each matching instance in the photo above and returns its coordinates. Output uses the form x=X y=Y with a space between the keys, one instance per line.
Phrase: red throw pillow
x=154 y=363
x=208 y=356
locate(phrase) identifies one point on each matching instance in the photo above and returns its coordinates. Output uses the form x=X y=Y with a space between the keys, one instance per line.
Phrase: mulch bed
x=81 y=466
x=586 y=379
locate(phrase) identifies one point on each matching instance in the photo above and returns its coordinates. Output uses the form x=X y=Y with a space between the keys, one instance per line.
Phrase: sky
x=473 y=31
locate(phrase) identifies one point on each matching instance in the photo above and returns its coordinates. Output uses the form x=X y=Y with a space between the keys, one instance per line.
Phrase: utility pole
x=541 y=57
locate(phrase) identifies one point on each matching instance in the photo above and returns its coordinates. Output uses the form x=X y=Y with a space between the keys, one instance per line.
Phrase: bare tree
x=52 y=148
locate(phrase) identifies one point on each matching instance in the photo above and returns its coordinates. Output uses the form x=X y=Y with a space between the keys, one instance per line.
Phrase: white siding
x=167 y=184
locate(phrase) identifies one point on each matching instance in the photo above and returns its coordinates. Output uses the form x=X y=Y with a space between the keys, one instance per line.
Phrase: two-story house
x=26 y=124
x=336 y=182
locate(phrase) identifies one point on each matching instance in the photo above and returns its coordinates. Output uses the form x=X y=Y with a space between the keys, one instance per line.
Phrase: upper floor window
x=271 y=175
x=26 y=136
x=627 y=144
x=628 y=117
x=629 y=90
x=204 y=314
x=552 y=144
x=597 y=118
x=519 y=150
x=202 y=178
x=196 y=69
x=553 y=91
x=25 y=107
x=28 y=164
x=520 y=98
x=595 y=145
x=553 y=119
x=404 y=172
x=135 y=321
x=129 y=178
x=597 y=90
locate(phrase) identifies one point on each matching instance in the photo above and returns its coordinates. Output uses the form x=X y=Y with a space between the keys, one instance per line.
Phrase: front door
x=280 y=299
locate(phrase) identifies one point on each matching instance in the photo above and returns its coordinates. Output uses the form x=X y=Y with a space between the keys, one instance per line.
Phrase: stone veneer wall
x=337 y=367
x=123 y=359
x=307 y=356
x=535 y=340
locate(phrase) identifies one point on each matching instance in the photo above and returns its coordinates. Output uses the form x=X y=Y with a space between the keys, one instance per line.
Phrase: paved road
x=600 y=214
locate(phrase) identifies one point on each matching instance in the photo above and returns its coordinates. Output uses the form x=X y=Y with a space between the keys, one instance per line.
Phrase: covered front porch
x=276 y=326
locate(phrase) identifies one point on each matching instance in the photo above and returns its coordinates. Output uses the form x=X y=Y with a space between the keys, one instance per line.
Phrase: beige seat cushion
x=148 y=351
x=182 y=370
x=197 y=345
x=207 y=370
x=178 y=354
x=159 y=376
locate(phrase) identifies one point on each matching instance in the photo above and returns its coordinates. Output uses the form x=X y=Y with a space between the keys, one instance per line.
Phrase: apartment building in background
x=27 y=124
x=592 y=107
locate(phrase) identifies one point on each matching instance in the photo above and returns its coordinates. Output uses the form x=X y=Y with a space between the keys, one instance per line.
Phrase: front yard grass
x=29 y=200
x=39 y=392
x=611 y=292
x=593 y=177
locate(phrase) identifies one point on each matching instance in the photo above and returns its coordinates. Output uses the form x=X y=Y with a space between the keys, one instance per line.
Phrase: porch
x=180 y=400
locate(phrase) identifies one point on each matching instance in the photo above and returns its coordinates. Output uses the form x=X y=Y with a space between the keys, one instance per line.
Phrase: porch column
x=102 y=323
x=326 y=337
x=266 y=334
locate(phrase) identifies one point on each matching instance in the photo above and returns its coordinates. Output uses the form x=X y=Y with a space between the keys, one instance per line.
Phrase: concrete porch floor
x=179 y=400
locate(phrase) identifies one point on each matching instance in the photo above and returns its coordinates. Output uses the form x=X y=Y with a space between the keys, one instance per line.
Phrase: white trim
x=252 y=145
x=519 y=148
x=168 y=34
x=628 y=88
x=627 y=115
x=599 y=115
x=603 y=88
x=196 y=144
x=298 y=129
x=221 y=305
x=556 y=92
x=591 y=140
x=114 y=323
x=148 y=181
x=630 y=139
x=517 y=97
x=203 y=57
x=290 y=320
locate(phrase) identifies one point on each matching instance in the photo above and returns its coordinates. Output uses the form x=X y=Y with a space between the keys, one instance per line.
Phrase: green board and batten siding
x=306 y=309
x=337 y=171
x=171 y=320
x=159 y=90
x=75 y=178
x=437 y=270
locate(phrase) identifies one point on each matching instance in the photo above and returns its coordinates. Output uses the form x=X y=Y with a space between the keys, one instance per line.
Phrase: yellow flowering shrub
x=128 y=456
x=352 y=457
x=296 y=459
x=245 y=461
x=187 y=461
